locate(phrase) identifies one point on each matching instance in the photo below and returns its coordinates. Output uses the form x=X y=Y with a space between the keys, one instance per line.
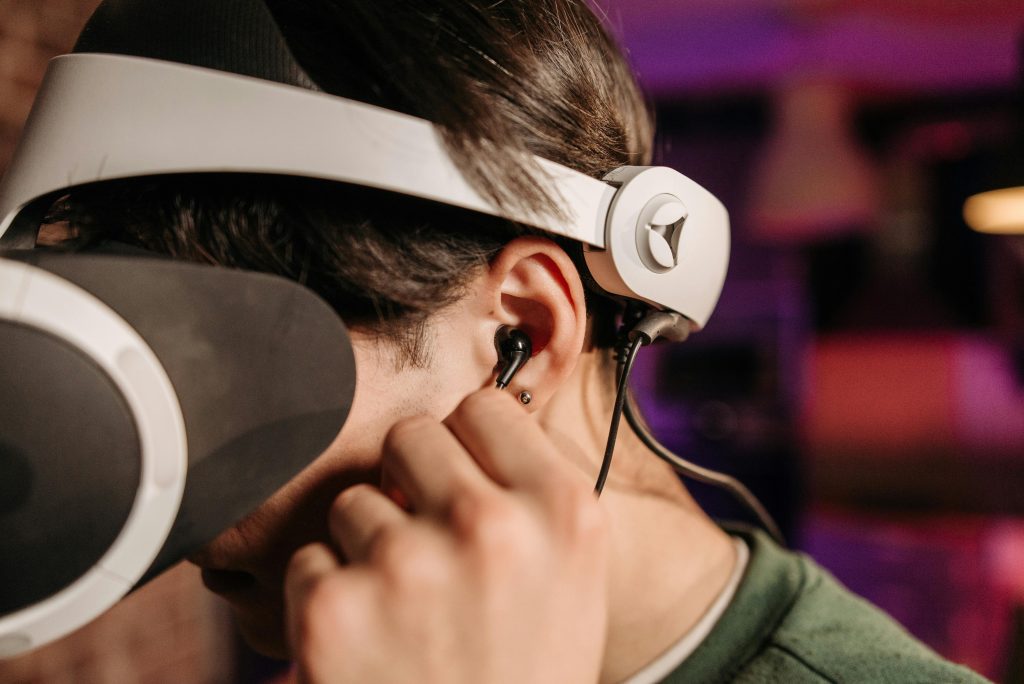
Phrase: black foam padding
x=69 y=464
x=262 y=367
x=238 y=36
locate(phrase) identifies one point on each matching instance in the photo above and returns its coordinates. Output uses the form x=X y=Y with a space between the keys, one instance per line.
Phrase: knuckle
x=429 y=575
x=497 y=529
x=471 y=508
x=471 y=505
x=295 y=571
x=323 y=595
x=572 y=508
x=581 y=517
x=411 y=565
x=481 y=405
x=590 y=522
x=406 y=432
x=392 y=547
x=344 y=501
x=298 y=562
x=318 y=616
x=300 y=570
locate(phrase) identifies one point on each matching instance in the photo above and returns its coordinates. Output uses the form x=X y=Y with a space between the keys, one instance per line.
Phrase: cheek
x=263 y=542
x=296 y=514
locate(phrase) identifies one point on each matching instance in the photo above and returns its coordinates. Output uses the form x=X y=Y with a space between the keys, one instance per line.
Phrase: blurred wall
x=864 y=370
x=31 y=32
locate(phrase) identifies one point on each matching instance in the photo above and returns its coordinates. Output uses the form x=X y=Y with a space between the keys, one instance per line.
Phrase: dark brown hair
x=503 y=80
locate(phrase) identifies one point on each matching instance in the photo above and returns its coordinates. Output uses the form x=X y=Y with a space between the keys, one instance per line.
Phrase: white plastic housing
x=701 y=250
x=39 y=299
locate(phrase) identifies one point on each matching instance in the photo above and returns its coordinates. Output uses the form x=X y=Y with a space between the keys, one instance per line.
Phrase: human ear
x=533 y=285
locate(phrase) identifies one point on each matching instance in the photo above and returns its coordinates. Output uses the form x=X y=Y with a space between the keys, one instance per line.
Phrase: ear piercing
x=525 y=397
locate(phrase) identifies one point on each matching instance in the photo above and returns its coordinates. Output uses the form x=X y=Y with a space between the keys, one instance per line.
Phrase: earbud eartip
x=514 y=350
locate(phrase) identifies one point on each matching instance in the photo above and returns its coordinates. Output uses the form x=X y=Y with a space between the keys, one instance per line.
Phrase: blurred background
x=864 y=373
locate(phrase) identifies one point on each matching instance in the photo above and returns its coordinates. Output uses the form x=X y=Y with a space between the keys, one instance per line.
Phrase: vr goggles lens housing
x=148 y=405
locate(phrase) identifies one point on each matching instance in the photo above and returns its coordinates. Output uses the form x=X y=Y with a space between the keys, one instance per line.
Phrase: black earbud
x=514 y=349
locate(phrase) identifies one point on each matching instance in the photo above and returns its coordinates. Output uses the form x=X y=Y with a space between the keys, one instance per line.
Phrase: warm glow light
x=996 y=211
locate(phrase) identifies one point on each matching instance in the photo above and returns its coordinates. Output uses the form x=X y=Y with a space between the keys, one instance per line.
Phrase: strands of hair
x=502 y=80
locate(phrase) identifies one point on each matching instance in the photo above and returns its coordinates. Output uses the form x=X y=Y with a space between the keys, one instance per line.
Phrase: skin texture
x=537 y=581
x=473 y=587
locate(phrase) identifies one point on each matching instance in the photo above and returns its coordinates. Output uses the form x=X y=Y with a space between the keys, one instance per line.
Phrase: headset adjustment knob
x=658 y=231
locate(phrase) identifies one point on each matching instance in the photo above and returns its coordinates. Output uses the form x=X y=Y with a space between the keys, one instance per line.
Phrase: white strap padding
x=100 y=117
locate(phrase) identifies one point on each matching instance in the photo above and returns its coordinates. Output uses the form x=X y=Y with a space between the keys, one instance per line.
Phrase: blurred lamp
x=1001 y=209
x=812 y=180
x=996 y=211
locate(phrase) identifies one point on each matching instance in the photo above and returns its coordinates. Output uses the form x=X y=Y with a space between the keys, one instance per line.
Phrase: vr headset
x=145 y=404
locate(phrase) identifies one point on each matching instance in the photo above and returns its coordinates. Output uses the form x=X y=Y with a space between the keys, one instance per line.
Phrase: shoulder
x=790 y=621
x=828 y=634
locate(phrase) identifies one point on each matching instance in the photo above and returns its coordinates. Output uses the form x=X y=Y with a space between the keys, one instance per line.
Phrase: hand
x=498 y=574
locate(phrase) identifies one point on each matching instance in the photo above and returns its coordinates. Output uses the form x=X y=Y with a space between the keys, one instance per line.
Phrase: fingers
x=358 y=517
x=327 y=606
x=429 y=466
x=486 y=449
x=504 y=553
x=506 y=442
x=308 y=566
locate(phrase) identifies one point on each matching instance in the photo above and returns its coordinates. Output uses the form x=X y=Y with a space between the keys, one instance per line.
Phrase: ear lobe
x=535 y=287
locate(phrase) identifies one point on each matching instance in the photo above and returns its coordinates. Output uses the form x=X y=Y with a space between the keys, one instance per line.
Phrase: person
x=450 y=532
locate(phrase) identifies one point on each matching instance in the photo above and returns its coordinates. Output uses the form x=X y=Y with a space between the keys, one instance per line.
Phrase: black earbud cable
x=626 y=359
x=701 y=474
x=626 y=354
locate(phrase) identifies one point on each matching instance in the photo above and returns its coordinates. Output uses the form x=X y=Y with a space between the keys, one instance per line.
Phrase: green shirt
x=791 y=621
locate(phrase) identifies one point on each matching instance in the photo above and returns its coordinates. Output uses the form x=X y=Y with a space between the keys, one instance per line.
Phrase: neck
x=669 y=560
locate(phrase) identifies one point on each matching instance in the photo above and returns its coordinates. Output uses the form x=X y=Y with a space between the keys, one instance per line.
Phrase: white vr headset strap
x=101 y=117
x=652 y=234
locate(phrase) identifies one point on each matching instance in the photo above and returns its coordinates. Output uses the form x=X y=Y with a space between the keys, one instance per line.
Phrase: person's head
x=423 y=287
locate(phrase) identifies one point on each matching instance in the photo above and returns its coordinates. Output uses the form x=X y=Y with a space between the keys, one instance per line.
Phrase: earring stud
x=525 y=397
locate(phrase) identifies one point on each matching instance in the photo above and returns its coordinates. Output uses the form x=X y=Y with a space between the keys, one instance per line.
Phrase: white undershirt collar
x=668 y=661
